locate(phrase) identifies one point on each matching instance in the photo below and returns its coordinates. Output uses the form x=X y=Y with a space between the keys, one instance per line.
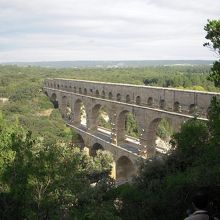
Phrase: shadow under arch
x=95 y=148
x=125 y=169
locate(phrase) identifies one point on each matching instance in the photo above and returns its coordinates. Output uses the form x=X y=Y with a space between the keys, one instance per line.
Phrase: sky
x=56 y=30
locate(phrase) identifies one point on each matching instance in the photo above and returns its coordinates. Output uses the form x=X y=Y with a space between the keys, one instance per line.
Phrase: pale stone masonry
x=148 y=105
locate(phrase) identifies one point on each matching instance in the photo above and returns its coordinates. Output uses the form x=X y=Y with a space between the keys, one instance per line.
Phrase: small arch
x=118 y=97
x=138 y=100
x=150 y=101
x=70 y=86
x=85 y=91
x=58 y=86
x=125 y=169
x=110 y=95
x=128 y=99
x=95 y=148
x=162 y=104
x=91 y=91
x=97 y=93
x=176 y=107
x=193 y=109
x=74 y=89
x=103 y=94
x=80 y=90
x=51 y=85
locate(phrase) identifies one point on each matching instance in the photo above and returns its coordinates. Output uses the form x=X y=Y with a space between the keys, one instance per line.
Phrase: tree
x=213 y=35
x=39 y=181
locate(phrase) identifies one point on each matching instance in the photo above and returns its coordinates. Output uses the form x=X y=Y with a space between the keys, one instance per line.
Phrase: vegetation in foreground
x=43 y=177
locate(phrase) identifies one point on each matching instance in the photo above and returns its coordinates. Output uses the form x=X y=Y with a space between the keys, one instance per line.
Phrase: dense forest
x=43 y=177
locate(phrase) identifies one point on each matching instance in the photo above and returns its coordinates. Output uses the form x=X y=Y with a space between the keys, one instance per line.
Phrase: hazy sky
x=43 y=30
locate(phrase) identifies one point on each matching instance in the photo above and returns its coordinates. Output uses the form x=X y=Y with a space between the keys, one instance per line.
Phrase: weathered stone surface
x=148 y=104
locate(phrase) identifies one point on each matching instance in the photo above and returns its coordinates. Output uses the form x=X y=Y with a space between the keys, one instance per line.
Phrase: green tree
x=39 y=181
x=213 y=35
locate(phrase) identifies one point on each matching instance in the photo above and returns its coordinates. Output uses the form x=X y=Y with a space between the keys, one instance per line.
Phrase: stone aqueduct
x=148 y=105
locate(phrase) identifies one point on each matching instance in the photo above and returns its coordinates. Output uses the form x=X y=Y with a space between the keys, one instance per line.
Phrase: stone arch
x=58 y=86
x=128 y=98
x=152 y=132
x=110 y=95
x=80 y=116
x=97 y=93
x=78 y=141
x=53 y=99
x=193 y=109
x=150 y=101
x=104 y=118
x=103 y=94
x=118 y=97
x=80 y=90
x=162 y=104
x=65 y=107
x=85 y=91
x=176 y=107
x=91 y=91
x=125 y=169
x=74 y=89
x=138 y=100
x=95 y=117
x=95 y=148
x=122 y=123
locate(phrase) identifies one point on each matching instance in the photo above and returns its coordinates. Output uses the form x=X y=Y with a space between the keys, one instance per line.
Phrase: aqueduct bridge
x=148 y=105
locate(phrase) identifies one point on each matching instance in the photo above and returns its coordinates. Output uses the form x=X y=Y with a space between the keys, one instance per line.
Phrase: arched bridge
x=149 y=105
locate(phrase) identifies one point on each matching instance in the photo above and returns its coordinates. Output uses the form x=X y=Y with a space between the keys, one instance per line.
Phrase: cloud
x=109 y=29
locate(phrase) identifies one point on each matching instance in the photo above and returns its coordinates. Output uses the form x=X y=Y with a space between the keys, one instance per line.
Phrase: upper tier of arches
x=180 y=101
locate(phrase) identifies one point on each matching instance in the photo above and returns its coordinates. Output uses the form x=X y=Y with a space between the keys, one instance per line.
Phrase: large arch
x=95 y=148
x=100 y=117
x=53 y=99
x=124 y=119
x=125 y=169
x=77 y=140
x=103 y=118
x=159 y=132
x=65 y=107
x=80 y=116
